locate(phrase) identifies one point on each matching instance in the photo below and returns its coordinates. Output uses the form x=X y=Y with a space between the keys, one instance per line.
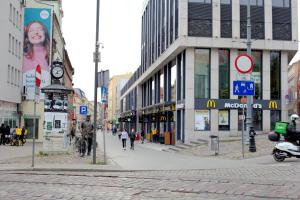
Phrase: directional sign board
x=243 y=88
x=83 y=110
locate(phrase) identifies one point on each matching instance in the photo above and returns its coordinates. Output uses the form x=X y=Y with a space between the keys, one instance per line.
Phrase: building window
x=257 y=72
x=224 y=74
x=10 y=12
x=275 y=117
x=275 y=75
x=202 y=70
x=161 y=87
x=257 y=119
x=173 y=83
x=8 y=74
x=257 y=19
x=224 y=119
x=153 y=91
x=282 y=20
x=202 y=120
x=200 y=18
x=226 y=19
x=9 y=42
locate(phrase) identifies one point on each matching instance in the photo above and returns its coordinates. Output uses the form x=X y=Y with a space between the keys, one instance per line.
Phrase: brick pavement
x=231 y=148
x=184 y=184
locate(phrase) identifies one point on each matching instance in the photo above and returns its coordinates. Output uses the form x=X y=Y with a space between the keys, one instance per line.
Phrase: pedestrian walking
x=124 y=137
x=142 y=136
x=87 y=133
x=2 y=134
x=132 y=139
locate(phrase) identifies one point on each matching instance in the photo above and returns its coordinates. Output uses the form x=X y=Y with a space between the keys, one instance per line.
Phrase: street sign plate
x=243 y=88
x=83 y=110
x=244 y=63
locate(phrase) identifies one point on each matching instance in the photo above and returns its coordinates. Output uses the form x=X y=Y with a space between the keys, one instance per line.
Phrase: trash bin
x=214 y=144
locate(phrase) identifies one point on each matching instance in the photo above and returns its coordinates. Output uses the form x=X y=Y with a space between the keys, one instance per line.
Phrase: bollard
x=252 y=146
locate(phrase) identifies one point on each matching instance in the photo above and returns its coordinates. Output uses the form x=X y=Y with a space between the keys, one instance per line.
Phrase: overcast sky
x=120 y=33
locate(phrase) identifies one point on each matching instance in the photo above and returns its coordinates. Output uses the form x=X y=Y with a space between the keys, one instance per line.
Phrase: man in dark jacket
x=87 y=132
x=132 y=139
x=2 y=134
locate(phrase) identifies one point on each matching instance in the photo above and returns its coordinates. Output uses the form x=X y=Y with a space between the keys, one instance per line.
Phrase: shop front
x=127 y=120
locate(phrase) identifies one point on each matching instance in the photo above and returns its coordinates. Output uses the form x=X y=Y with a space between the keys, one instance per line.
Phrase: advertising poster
x=37 y=45
x=56 y=114
x=104 y=94
x=223 y=117
x=202 y=120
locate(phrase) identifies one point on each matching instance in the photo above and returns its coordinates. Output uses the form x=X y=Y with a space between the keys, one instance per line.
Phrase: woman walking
x=124 y=137
x=132 y=139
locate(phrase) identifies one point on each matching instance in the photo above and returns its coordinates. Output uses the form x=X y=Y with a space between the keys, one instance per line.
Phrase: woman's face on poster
x=36 y=33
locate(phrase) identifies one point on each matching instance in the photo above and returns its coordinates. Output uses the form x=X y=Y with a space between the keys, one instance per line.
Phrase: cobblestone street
x=251 y=183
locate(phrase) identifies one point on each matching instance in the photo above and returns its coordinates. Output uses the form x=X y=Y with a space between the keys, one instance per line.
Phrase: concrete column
x=234 y=75
x=268 y=20
x=214 y=74
x=214 y=122
x=189 y=97
x=182 y=18
x=233 y=122
x=266 y=72
x=284 y=85
x=235 y=19
x=216 y=12
x=294 y=15
x=266 y=120
x=138 y=107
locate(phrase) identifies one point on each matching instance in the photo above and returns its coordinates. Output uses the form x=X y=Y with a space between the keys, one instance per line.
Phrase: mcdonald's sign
x=211 y=103
x=273 y=105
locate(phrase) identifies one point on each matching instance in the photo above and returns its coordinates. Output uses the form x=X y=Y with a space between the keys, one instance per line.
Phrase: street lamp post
x=96 y=60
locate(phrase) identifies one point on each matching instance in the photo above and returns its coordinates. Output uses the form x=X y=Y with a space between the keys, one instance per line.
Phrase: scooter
x=283 y=149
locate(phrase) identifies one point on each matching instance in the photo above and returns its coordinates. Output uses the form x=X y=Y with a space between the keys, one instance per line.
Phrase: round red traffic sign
x=244 y=63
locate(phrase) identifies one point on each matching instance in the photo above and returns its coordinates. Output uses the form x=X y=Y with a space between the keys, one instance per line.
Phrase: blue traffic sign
x=83 y=110
x=243 y=88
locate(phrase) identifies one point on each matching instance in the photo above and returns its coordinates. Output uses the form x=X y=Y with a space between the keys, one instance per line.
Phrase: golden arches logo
x=273 y=105
x=163 y=118
x=211 y=104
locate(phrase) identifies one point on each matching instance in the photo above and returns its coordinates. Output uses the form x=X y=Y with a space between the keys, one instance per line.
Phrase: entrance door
x=29 y=127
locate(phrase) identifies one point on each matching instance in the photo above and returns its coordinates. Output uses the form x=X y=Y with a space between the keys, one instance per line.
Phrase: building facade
x=116 y=83
x=11 y=39
x=184 y=86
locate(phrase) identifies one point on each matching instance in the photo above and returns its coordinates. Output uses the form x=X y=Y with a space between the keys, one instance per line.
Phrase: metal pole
x=104 y=133
x=96 y=80
x=249 y=106
x=243 y=127
x=33 y=136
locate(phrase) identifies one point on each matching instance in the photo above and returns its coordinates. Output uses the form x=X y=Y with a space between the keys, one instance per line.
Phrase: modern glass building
x=184 y=85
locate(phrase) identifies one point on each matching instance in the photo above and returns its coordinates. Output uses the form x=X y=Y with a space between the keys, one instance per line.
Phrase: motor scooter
x=284 y=149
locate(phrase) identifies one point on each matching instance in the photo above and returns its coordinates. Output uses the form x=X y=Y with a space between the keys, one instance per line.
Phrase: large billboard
x=37 y=48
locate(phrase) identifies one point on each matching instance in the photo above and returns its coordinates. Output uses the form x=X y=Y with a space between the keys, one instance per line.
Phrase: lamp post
x=96 y=60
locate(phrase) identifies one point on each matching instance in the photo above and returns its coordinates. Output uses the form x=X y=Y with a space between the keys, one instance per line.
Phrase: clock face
x=57 y=72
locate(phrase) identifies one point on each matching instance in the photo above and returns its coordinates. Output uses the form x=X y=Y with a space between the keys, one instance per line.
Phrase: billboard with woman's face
x=37 y=48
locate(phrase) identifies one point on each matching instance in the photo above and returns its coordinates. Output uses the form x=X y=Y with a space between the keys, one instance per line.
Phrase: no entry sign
x=244 y=63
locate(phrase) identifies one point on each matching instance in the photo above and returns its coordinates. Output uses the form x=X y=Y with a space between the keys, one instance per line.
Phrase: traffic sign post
x=244 y=64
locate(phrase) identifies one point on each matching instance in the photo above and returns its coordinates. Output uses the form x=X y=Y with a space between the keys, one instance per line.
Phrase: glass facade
x=275 y=75
x=224 y=74
x=256 y=72
x=256 y=117
x=173 y=83
x=202 y=120
x=275 y=117
x=226 y=19
x=202 y=73
x=161 y=87
x=281 y=20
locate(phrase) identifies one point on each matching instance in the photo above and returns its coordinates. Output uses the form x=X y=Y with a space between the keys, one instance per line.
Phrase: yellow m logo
x=272 y=105
x=211 y=104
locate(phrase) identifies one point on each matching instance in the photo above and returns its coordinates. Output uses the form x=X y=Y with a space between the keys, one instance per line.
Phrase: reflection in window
x=202 y=69
x=224 y=119
x=256 y=119
x=173 y=83
x=161 y=87
x=275 y=75
x=275 y=117
x=224 y=73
